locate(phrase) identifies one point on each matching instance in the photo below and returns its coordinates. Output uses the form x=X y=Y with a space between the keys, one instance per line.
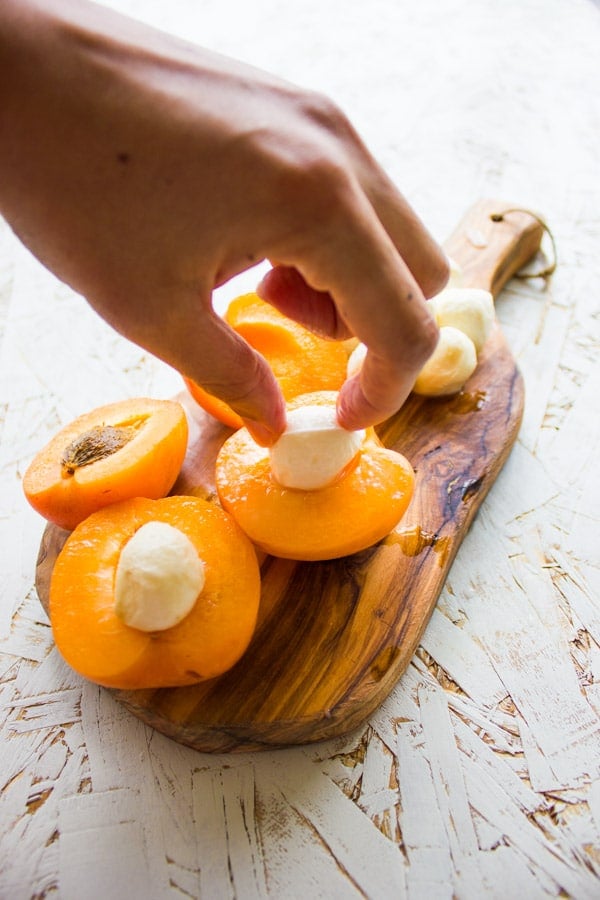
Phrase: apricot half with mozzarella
x=355 y=508
x=130 y=617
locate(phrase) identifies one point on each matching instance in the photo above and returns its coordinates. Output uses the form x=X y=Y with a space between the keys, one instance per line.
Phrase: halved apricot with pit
x=358 y=509
x=132 y=448
x=209 y=640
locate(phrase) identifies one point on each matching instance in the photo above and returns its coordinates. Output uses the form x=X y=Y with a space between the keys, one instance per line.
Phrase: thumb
x=226 y=366
x=204 y=348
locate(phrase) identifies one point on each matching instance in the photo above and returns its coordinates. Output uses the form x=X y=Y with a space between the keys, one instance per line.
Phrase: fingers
x=226 y=366
x=285 y=288
x=372 y=263
x=376 y=297
x=424 y=257
x=427 y=262
x=202 y=347
x=365 y=270
x=383 y=383
x=398 y=344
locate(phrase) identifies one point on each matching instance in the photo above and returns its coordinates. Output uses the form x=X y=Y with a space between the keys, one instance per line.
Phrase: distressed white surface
x=479 y=775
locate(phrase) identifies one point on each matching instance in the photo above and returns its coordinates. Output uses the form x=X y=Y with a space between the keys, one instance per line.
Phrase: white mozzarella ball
x=159 y=577
x=450 y=365
x=314 y=449
x=471 y=310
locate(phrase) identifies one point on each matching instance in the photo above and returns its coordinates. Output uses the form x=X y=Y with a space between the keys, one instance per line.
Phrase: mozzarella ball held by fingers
x=321 y=492
x=314 y=450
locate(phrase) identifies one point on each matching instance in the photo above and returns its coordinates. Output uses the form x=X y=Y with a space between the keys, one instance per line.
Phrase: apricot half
x=132 y=448
x=358 y=509
x=96 y=643
x=301 y=361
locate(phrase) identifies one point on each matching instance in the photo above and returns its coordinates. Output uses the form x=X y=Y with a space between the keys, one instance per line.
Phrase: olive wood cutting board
x=334 y=637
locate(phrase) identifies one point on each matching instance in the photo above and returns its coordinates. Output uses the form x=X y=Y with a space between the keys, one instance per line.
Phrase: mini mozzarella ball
x=159 y=577
x=448 y=368
x=355 y=360
x=471 y=310
x=314 y=449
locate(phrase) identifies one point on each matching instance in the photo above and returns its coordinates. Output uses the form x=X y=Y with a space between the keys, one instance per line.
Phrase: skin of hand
x=145 y=171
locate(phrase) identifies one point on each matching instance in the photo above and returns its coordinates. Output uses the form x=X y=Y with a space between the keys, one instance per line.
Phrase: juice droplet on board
x=468 y=401
x=413 y=540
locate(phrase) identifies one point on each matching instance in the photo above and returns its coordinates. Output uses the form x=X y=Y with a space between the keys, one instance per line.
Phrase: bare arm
x=145 y=171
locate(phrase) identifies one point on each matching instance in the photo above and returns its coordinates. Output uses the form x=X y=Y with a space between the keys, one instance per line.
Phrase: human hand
x=145 y=172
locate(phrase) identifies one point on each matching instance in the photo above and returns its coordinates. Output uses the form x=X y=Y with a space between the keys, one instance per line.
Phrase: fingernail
x=260 y=288
x=263 y=435
x=348 y=398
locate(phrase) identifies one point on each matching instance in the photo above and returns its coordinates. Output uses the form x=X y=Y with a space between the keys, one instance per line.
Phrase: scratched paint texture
x=479 y=775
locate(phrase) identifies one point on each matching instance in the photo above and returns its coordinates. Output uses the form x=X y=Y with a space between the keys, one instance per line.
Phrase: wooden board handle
x=493 y=241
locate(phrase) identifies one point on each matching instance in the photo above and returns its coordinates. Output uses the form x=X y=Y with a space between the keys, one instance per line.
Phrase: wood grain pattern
x=334 y=637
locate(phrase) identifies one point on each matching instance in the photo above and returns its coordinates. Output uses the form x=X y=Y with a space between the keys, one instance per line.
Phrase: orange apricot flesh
x=217 y=408
x=132 y=448
x=360 y=508
x=98 y=645
x=301 y=361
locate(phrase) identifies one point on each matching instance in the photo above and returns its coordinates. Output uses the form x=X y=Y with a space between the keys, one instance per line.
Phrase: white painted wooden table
x=479 y=776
